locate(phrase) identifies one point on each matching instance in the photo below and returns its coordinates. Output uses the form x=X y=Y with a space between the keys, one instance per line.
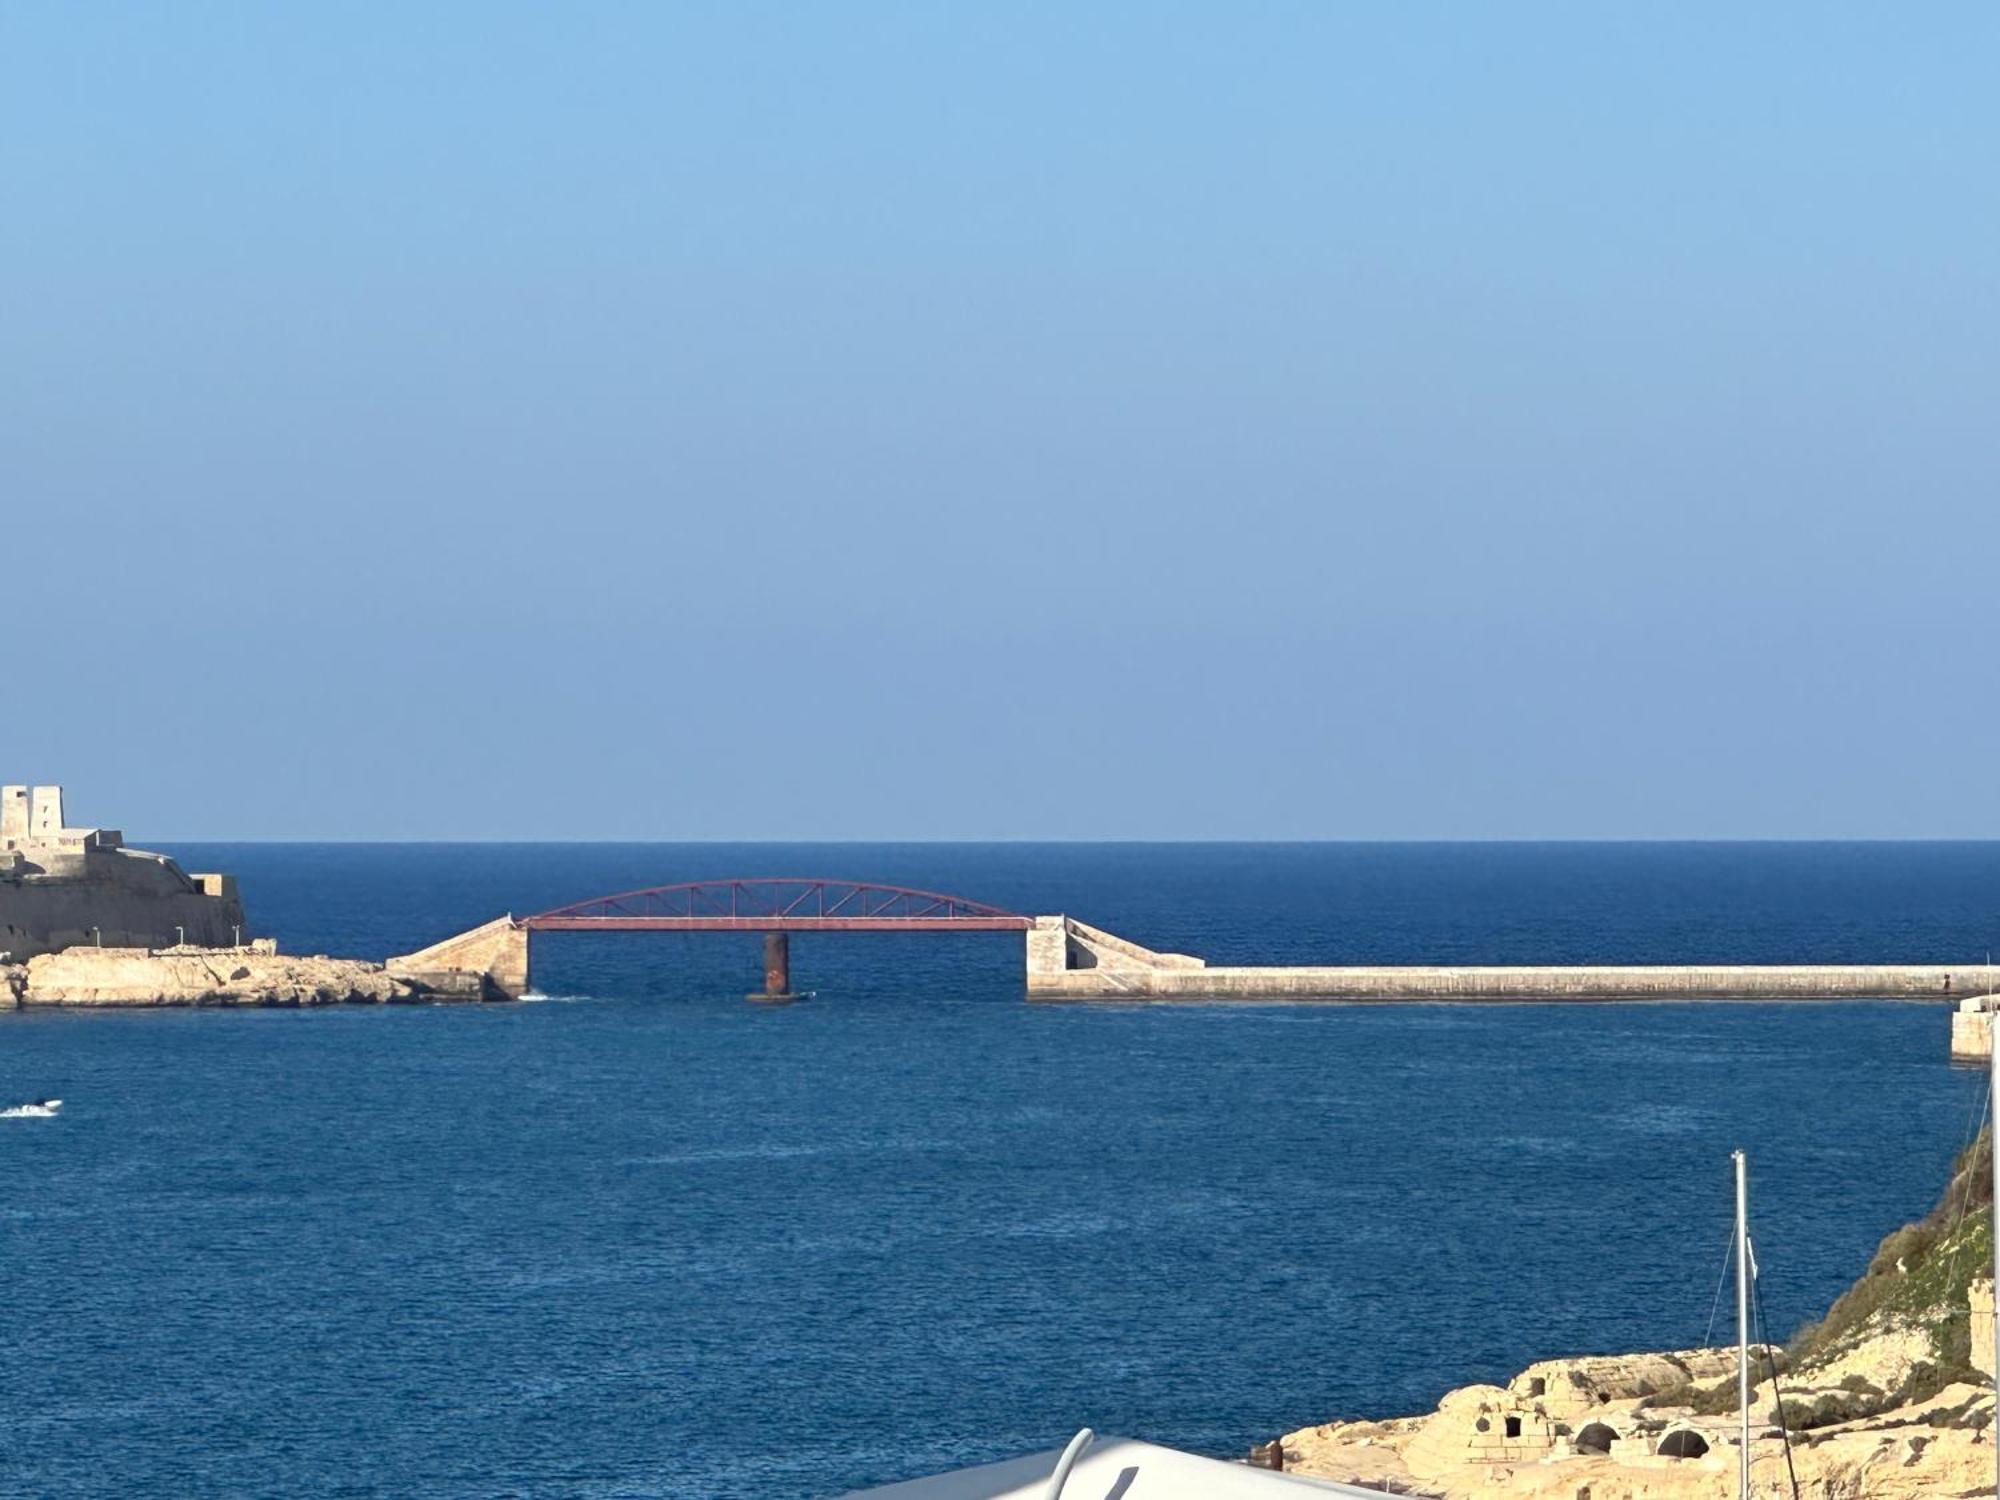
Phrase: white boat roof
x=1115 y=1468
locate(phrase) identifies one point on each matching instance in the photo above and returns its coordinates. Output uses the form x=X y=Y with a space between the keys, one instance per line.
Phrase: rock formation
x=1889 y=1398
x=208 y=976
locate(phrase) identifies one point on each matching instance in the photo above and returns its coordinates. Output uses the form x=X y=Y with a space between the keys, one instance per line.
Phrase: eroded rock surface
x=203 y=976
x=1887 y=1398
x=1582 y=1435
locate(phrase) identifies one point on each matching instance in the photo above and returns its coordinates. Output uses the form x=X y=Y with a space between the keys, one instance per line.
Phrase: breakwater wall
x=1070 y=960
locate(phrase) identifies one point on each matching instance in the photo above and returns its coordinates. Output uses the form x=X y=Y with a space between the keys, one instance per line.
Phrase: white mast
x=1993 y=1146
x=1743 y=1274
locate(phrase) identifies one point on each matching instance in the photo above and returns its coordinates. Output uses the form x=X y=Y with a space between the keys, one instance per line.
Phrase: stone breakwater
x=189 y=976
x=1071 y=960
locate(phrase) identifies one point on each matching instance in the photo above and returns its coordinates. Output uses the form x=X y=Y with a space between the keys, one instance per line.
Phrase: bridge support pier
x=777 y=970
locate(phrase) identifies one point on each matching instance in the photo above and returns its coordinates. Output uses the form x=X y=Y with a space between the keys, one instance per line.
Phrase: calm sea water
x=643 y=1239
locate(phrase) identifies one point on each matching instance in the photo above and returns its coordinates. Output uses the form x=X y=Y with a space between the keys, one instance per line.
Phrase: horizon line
x=717 y=839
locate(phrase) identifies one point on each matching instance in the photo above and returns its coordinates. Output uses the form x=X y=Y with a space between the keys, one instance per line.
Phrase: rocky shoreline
x=253 y=975
x=1598 y=1430
x=1889 y=1398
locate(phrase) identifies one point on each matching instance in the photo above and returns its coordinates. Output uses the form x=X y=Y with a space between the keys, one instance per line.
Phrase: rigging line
x=1956 y=1222
x=1728 y=1250
x=1777 y=1391
x=1968 y=1139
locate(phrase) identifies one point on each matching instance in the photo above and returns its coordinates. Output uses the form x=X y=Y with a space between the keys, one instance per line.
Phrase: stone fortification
x=62 y=887
x=86 y=921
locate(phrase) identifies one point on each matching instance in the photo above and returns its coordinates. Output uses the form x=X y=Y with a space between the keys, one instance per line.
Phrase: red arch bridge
x=1070 y=960
x=774 y=906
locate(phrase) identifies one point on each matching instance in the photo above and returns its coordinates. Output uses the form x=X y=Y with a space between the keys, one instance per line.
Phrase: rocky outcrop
x=203 y=976
x=1495 y=1443
x=1888 y=1398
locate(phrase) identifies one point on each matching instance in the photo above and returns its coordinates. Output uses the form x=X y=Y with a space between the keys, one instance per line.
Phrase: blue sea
x=643 y=1239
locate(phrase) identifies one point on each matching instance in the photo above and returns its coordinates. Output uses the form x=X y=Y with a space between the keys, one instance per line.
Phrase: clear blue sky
x=1029 y=420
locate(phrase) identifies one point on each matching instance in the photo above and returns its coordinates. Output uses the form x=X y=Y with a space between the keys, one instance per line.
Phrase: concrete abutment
x=491 y=962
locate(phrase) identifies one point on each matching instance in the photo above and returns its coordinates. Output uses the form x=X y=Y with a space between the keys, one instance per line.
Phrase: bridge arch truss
x=778 y=904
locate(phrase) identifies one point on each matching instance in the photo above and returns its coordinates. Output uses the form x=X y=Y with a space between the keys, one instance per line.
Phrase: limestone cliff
x=1888 y=1398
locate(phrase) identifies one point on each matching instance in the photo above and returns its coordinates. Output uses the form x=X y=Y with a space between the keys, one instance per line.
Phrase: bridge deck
x=776 y=923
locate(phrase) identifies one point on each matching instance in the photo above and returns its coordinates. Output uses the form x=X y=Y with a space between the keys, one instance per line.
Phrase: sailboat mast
x=1993 y=1149
x=1743 y=1321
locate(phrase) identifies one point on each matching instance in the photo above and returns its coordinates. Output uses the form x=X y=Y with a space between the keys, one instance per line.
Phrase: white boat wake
x=39 y=1109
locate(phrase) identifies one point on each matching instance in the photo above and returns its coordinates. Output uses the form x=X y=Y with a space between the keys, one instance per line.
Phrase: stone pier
x=1069 y=960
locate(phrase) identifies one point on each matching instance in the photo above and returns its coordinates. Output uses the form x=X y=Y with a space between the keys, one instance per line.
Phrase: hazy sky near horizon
x=1036 y=420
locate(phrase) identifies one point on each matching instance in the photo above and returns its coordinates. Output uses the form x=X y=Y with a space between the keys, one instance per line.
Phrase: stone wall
x=119 y=898
x=1093 y=948
x=1048 y=955
x=1099 y=966
x=490 y=961
x=1972 y=1029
